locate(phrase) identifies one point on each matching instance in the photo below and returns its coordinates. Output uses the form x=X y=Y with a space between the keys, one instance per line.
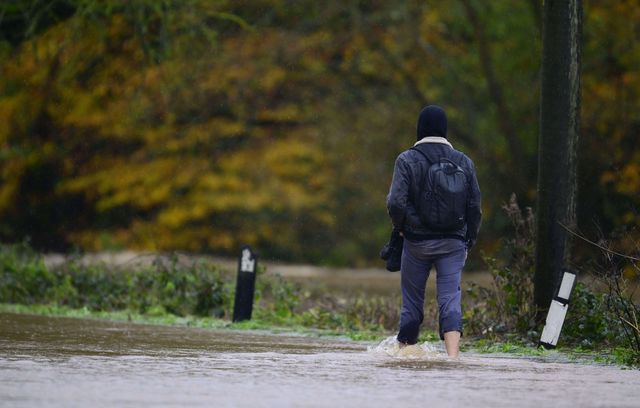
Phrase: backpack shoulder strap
x=423 y=154
x=459 y=160
x=431 y=156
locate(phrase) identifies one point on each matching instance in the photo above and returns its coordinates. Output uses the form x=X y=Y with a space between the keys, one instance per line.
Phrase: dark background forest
x=203 y=125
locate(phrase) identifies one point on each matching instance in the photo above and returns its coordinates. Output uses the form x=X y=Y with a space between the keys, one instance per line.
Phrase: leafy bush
x=195 y=288
x=589 y=322
x=508 y=305
x=95 y=287
x=167 y=286
x=276 y=299
x=617 y=272
x=373 y=312
x=281 y=302
x=24 y=278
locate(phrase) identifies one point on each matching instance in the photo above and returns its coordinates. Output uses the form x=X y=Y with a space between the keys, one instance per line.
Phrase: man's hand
x=470 y=243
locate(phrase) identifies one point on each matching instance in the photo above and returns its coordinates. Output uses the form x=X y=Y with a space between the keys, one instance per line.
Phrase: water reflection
x=70 y=362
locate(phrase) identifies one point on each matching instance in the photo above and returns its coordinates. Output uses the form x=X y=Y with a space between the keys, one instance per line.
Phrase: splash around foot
x=391 y=347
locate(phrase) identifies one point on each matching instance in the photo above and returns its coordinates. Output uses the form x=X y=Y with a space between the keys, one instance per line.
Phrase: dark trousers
x=448 y=256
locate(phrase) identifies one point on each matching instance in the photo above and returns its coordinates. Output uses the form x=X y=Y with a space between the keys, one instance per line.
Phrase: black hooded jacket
x=410 y=168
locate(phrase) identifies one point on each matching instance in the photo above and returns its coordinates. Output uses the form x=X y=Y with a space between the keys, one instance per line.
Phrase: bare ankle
x=452 y=343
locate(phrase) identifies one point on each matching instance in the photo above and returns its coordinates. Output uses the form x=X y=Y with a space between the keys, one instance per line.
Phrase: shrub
x=168 y=285
x=276 y=299
x=24 y=278
x=508 y=305
x=589 y=322
x=373 y=312
x=593 y=319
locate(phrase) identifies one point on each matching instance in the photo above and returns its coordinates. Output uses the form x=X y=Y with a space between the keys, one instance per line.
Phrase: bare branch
x=606 y=250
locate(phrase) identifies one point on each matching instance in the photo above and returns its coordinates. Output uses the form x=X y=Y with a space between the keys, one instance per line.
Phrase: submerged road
x=63 y=362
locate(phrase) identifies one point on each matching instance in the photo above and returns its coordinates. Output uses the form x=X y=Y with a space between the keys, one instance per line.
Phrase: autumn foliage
x=200 y=125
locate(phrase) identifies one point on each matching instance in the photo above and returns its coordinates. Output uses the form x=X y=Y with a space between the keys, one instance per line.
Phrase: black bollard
x=245 y=285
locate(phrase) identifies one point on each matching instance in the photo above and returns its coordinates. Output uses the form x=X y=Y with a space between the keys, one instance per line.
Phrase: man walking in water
x=434 y=201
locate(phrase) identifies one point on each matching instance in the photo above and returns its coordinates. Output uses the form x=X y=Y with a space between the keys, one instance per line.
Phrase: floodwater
x=375 y=281
x=63 y=362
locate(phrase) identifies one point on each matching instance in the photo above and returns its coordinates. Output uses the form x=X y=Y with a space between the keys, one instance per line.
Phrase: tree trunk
x=505 y=121
x=559 y=122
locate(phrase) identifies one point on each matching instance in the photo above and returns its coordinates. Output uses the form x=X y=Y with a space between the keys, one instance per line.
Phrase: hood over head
x=432 y=121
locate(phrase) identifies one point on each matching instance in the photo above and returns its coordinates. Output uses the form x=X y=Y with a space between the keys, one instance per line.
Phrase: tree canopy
x=201 y=125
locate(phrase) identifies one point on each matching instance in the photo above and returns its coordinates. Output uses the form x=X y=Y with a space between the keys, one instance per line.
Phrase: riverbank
x=172 y=290
x=184 y=321
x=515 y=348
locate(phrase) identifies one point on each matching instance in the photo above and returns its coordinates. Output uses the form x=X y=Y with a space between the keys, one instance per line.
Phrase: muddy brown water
x=64 y=362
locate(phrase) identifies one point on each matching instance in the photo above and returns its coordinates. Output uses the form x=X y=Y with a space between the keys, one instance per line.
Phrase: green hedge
x=171 y=286
x=166 y=286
